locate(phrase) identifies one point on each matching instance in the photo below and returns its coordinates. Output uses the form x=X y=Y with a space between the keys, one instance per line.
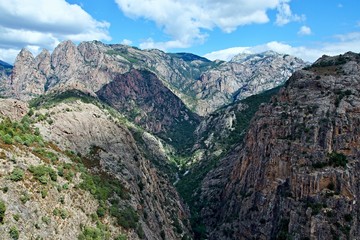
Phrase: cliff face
x=201 y=84
x=296 y=173
x=145 y=100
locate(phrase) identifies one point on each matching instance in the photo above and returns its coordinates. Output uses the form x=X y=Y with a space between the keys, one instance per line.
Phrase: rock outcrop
x=296 y=174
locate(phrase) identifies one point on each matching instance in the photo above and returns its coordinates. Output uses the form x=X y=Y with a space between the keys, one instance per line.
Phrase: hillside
x=71 y=169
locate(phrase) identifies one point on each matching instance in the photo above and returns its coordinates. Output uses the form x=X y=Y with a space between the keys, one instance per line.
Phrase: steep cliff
x=296 y=174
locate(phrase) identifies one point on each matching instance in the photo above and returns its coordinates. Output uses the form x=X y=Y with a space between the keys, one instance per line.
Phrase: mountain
x=243 y=76
x=295 y=176
x=201 y=84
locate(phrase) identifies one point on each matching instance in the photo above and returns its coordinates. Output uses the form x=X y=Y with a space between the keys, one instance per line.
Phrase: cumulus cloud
x=285 y=15
x=304 y=30
x=342 y=44
x=43 y=24
x=186 y=21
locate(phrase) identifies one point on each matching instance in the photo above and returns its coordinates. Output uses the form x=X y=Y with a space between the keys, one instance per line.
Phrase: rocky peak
x=25 y=56
x=26 y=80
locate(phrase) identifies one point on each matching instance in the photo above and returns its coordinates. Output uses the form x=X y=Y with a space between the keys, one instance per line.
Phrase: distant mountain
x=243 y=76
x=5 y=65
x=201 y=84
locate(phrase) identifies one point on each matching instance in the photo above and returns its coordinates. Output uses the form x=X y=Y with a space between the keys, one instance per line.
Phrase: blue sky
x=211 y=28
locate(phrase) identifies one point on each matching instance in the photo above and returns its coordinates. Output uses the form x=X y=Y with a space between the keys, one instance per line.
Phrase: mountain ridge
x=201 y=84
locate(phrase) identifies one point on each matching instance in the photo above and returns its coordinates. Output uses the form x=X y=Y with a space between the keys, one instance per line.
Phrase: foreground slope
x=71 y=169
x=296 y=175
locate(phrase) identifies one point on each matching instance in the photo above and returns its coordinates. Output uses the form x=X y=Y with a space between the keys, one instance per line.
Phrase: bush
x=2 y=211
x=42 y=173
x=17 y=175
x=14 y=233
x=16 y=217
x=126 y=217
x=337 y=159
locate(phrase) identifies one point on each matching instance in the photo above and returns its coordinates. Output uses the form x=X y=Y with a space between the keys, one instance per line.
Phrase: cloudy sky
x=212 y=28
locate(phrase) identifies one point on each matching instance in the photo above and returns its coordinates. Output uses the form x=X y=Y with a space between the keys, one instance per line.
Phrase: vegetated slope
x=202 y=85
x=72 y=169
x=215 y=136
x=147 y=102
x=296 y=175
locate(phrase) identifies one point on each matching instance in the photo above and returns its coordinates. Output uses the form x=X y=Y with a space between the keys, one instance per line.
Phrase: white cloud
x=285 y=15
x=43 y=24
x=126 y=42
x=343 y=43
x=227 y=54
x=304 y=30
x=186 y=21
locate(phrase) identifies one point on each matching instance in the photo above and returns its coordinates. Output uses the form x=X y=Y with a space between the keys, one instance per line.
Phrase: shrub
x=24 y=197
x=2 y=211
x=126 y=217
x=121 y=237
x=42 y=173
x=17 y=175
x=16 y=217
x=14 y=233
x=337 y=159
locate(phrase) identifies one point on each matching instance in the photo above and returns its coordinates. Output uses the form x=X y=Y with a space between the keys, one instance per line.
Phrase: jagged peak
x=25 y=53
x=43 y=53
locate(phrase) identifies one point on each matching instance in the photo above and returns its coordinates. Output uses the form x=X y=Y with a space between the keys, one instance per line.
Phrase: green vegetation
x=17 y=175
x=61 y=212
x=101 y=188
x=334 y=159
x=100 y=232
x=14 y=233
x=283 y=233
x=49 y=100
x=16 y=217
x=121 y=237
x=2 y=211
x=126 y=217
x=43 y=173
x=45 y=155
x=24 y=197
x=337 y=159
x=12 y=132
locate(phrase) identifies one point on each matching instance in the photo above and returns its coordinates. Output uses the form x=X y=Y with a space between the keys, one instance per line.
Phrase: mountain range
x=113 y=142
